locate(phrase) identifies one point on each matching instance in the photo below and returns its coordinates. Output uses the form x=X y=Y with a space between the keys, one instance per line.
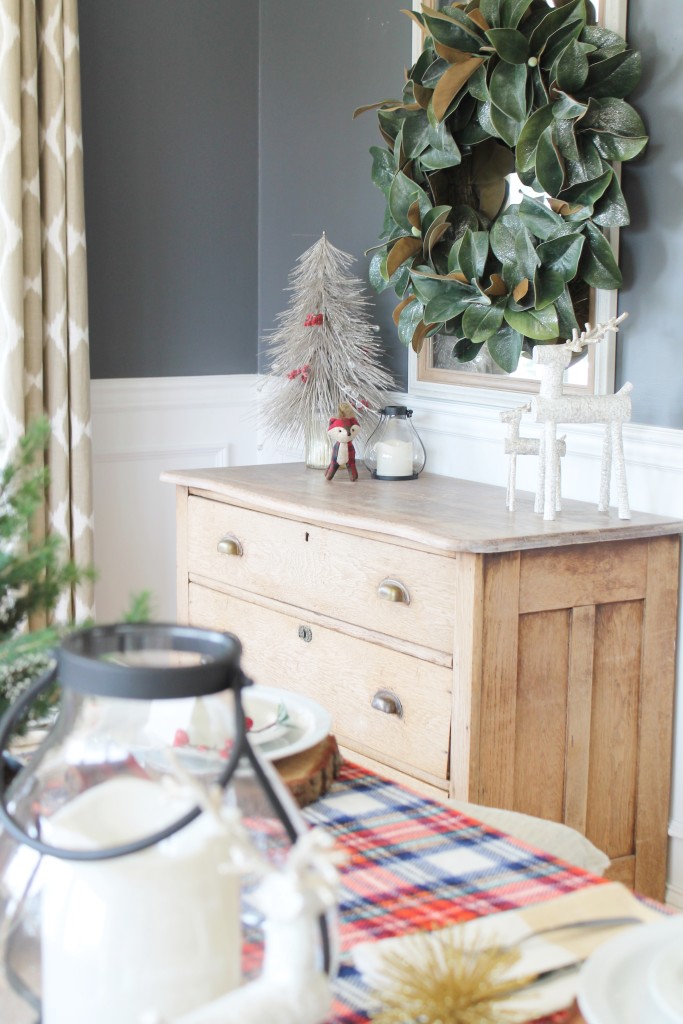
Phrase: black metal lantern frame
x=84 y=664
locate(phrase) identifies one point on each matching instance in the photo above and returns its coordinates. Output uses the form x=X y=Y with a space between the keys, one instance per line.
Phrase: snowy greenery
x=324 y=350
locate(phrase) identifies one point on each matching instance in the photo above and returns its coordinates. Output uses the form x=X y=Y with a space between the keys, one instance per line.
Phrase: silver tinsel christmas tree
x=324 y=350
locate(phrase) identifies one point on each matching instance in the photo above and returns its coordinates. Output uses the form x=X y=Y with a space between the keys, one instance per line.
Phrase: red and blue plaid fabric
x=416 y=865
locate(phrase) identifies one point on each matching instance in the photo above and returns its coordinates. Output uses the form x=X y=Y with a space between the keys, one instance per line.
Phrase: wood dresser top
x=437 y=512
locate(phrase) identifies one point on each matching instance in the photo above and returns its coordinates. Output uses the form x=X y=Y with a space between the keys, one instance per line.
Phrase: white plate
x=308 y=722
x=618 y=985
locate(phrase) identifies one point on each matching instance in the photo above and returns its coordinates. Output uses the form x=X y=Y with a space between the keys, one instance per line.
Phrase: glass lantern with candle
x=153 y=867
x=394 y=450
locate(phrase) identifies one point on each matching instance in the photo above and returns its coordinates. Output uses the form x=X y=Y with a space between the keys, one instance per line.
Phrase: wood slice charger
x=310 y=774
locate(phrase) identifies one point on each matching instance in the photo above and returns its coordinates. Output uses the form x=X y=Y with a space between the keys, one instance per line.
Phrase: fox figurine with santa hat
x=342 y=429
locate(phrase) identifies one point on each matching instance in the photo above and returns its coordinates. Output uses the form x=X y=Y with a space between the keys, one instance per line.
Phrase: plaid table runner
x=415 y=865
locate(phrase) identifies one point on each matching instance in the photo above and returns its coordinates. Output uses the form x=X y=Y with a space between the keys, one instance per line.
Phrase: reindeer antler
x=593 y=335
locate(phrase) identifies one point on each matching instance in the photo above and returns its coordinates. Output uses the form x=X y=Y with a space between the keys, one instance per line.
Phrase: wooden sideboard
x=463 y=649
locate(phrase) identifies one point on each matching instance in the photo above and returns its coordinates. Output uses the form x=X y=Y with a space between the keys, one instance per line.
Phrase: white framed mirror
x=435 y=373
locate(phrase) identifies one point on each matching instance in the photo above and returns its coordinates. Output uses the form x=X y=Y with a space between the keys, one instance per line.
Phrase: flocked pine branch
x=324 y=349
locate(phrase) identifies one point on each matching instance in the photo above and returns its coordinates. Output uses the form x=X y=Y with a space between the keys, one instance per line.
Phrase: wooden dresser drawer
x=342 y=673
x=332 y=572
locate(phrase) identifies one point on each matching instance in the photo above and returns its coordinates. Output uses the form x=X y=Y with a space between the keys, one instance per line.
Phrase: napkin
x=541 y=953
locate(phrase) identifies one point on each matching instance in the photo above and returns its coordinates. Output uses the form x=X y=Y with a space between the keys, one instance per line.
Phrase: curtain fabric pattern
x=44 y=357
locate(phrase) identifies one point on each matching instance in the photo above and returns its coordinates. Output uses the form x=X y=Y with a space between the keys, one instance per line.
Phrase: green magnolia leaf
x=615 y=128
x=549 y=163
x=539 y=218
x=474 y=248
x=415 y=133
x=506 y=348
x=566 y=318
x=454 y=256
x=477 y=85
x=428 y=286
x=570 y=70
x=614 y=147
x=561 y=255
x=566 y=140
x=434 y=216
x=453 y=34
x=410 y=317
x=538 y=89
x=598 y=265
x=465 y=351
x=402 y=195
x=508 y=91
x=610 y=210
x=492 y=11
x=585 y=193
x=527 y=144
x=462 y=218
x=382 y=168
x=473 y=134
x=484 y=119
x=588 y=164
x=526 y=259
x=512 y=12
x=557 y=43
x=503 y=236
x=481 y=321
x=431 y=77
x=616 y=76
x=442 y=151
x=539 y=325
x=548 y=286
x=603 y=39
x=377 y=279
x=391 y=122
x=554 y=21
x=421 y=65
x=401 y=280
x=510 y=45
x=566 y=108
x=506 y=128
x=444 y=307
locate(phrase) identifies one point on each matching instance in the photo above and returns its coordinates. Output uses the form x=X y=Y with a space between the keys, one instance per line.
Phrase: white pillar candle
x=157 y=929
x=394 y=458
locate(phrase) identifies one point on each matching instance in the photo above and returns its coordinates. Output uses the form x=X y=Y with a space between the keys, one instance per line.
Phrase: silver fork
x=588 y=923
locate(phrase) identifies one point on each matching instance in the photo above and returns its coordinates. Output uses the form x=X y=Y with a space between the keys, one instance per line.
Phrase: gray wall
x=320 y=59
x=170 y=126
x=196 y=212
x=650 y=347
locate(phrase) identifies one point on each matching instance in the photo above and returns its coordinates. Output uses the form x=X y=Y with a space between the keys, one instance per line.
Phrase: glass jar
x=394 y=451
x=139 y=841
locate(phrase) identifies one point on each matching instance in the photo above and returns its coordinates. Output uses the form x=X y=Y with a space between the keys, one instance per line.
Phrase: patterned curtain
x=44 y=360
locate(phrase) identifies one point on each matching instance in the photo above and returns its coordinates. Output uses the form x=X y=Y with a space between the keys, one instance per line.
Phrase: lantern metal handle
x=393 y=590
x=229 y=545
x=387 y=702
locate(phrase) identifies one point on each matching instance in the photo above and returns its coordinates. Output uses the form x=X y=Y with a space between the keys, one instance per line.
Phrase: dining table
x=416 y=865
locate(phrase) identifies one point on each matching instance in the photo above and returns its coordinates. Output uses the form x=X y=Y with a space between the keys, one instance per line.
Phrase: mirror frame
x=431 y=382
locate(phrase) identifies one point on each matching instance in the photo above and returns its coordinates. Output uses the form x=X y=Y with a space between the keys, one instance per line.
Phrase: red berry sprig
x=314 y=320
x=300 y=371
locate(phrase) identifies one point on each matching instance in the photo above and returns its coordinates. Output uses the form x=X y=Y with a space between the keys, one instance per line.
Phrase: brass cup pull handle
x=229 y=545
x=393 y=590
x=387 y=702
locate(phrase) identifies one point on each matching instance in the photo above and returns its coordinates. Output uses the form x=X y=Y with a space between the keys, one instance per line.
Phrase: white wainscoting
x=141 y=427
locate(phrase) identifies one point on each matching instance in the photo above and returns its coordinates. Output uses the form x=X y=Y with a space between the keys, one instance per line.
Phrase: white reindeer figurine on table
x=517 y=445
x=551 y=407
